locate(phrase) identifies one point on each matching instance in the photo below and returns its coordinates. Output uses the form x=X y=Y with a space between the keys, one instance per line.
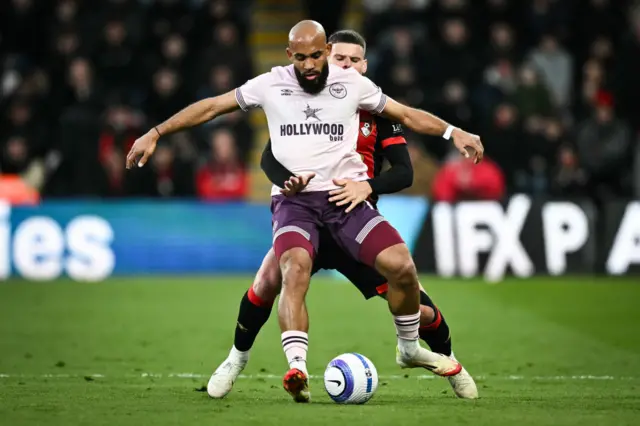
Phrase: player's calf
x=434 y=329
x=295 y=265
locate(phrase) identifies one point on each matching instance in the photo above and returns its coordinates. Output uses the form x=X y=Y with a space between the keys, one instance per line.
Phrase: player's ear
x=329 y=47
x=364 y=66
x=289 y=53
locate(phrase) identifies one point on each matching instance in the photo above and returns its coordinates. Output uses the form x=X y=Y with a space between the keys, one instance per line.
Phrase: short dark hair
x=348 y=36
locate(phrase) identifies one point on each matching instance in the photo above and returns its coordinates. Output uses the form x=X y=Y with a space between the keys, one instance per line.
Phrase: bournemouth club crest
x=366 y=129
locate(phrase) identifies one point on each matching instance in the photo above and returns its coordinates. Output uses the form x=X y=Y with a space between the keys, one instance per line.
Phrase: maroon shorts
x=362 y=233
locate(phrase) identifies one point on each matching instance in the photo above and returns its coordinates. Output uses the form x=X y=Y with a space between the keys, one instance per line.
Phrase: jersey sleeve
x=400 y=174
x=389 y=133
x=252 y=93
x=371 y=97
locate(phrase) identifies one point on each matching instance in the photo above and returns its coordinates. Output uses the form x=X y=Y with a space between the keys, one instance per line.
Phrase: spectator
x=625 y=81
x=556 y=67
x=502 y=141
x=225 y=50
x=455 y=57
x=569 y=179
x=223 y=177
x=604 y=149
x=16 y=159
x=117 y=56
x=166 y=96
x=83 y=89
x=542 y=140
x=220 y=81
x=166 y=176
x=66 y=46
x=236 y=123
x=121 y=128
x=460 y=180
x=498 y=84
x=453 y=106
x=593 y=80
x=174 y=52
x=502 y=43
x=21 y=119
x=531 y=97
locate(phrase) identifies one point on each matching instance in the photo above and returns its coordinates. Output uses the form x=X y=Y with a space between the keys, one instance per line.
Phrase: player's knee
x=401 y=273
x=405 y=273
x=267 y=285
x=296 y=267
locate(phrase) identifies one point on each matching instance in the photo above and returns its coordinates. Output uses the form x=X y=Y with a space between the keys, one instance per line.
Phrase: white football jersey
x=314 y=133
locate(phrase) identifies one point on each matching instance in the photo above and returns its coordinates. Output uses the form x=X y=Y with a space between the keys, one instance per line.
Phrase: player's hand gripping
x=352 y=193
x=142 y=149
x=296 y=184
x=468 y=144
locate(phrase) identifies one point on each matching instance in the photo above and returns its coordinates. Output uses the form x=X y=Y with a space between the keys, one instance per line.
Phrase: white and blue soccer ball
x=351 y=379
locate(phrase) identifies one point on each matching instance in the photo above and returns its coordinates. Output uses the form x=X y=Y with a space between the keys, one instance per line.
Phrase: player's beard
x=316 y=85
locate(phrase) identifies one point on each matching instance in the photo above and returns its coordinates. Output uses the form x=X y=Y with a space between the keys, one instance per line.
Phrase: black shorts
x=331 y=256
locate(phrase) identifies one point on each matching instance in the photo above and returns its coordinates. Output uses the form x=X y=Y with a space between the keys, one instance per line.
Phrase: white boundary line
x=279 y=377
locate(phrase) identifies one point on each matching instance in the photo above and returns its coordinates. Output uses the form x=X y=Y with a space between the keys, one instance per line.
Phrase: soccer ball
x=351 y=379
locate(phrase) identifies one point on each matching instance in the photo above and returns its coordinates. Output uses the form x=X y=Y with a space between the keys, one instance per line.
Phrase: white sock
x=295 y=345
x=407 y=332
x=239 y=356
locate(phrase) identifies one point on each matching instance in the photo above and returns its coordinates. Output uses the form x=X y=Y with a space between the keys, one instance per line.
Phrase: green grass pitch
x=133 y=352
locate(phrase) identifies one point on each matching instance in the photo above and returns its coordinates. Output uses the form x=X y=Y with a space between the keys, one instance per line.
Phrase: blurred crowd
x=82 y=79
x=551 y=85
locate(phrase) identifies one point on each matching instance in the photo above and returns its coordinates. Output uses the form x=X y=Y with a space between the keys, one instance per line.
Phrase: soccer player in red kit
x=378 y=139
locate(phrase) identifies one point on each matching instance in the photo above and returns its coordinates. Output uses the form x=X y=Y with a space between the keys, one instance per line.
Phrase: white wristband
x=447 y=133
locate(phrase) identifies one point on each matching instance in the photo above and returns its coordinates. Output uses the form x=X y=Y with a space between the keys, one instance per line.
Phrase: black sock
x=437 y=334
x=251 y=317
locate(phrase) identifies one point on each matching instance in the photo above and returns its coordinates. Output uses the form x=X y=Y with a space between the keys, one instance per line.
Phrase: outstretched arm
x=423 y=122
x=193 y=115
x=275 y=171
x=199 y=112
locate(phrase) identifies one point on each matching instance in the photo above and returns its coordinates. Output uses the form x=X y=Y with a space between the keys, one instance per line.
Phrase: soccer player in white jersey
x=379 y=140
x=312 y=113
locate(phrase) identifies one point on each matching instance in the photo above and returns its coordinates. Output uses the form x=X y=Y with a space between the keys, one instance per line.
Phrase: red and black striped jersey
x=376 y=133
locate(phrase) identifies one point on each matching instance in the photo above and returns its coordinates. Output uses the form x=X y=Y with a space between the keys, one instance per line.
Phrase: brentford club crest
x=366 y=129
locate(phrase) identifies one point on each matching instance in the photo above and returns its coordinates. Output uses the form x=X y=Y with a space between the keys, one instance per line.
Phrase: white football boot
x=463 y=384
x=222 y=380
x=438 y=364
